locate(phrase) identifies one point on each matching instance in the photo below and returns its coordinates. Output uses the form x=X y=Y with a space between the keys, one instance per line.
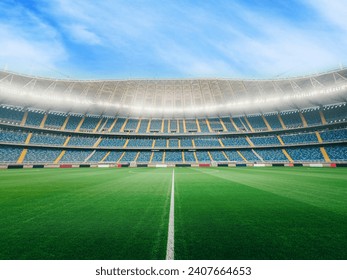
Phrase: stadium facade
x=200 y=122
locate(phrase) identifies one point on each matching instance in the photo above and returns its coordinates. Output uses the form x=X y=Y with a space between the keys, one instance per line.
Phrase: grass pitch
x=220 y=213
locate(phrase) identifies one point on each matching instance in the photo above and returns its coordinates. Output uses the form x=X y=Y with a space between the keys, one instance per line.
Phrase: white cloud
x=28 y=44
x=335 y=11
x=82 y=34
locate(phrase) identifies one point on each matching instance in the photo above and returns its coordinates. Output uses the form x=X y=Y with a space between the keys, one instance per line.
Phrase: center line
x=170 y=249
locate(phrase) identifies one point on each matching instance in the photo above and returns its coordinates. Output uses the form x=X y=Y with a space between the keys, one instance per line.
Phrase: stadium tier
x=176 y=122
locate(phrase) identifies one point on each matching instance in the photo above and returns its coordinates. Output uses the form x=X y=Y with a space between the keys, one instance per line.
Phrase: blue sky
x=88 y=39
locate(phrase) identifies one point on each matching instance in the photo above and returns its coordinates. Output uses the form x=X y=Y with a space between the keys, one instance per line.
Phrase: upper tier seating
x=291 y=119
x=191 y=125
x=89 y=123
x=173 y=126
x=55 y=120
x=241 y=124
x=228 y=125
x=257 y=122
x=131 y=125
x=273 y=121
x=106 y=124
x=215 y=124
x=335 y=113
x=312 y=116
x=119 y=124
x=73 y=122
x=180 y=126
x=34 y=118
x=11 y=114
x=155 y=125
x=166 y=125
x=143 y=126
x=203 y=126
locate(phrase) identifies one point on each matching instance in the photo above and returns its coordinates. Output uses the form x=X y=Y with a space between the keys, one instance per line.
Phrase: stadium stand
x=89 y=123
x=34 y=118
x=9 y=114
x=119 y=124
x=97 y=156
x=299 y=138
x=234 y=141
x=158 y=157
x=257 y=122
x=291 y=119
x=55 y=120
x=265 y=140
x=307 y=154
x=272 y=119
x=75 y=156
x=41 y=155
x=337 y=153
x=9 y=154
x=73 y=122
x=335 y=113
x=11 y=136
x=334 y=135
x=173 y=156
x=44 y=138
x=144 y=156
x=312 y=116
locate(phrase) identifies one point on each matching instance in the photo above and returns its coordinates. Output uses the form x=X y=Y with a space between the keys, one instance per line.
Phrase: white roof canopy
x=173 y=98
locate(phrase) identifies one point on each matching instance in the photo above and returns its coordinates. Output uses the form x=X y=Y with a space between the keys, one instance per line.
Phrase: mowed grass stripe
x=306 y=185
x=220 y=218
x=83 y=214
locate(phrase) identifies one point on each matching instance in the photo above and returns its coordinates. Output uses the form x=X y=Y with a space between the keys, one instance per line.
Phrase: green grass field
x=220 y=213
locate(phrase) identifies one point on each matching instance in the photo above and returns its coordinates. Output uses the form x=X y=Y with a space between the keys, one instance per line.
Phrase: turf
x=220 y=213
x=266 y=213
x=83 y=214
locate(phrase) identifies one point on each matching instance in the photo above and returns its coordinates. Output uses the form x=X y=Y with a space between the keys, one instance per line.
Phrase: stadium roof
x=173 y=98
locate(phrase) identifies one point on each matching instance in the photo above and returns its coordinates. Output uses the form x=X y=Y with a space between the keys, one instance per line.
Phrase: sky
x=121 y=39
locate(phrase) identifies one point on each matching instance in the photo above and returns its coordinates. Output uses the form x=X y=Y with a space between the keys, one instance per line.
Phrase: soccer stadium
x=169 y=168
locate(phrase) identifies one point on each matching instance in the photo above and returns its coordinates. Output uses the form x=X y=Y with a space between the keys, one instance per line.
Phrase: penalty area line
x=170 y=248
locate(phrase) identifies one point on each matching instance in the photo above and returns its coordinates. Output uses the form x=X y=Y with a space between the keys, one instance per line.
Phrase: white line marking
x=170 y=248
